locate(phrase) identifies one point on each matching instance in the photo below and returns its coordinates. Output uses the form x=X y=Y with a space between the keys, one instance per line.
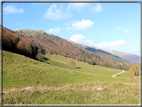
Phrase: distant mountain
x=111 y=54
x=80 y=45
x=31 y=42
x=118 y=53
x=128 y=57
x=102 y=53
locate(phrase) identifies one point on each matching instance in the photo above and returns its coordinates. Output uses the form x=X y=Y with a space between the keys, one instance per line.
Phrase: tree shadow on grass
x=46 y=58
x=43 y=59
x=78 y=67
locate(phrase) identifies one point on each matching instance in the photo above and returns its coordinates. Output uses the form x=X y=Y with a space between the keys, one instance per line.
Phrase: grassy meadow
x=55 y=81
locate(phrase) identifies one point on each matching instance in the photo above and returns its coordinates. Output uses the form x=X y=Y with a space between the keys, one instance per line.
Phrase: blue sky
x=103 y=25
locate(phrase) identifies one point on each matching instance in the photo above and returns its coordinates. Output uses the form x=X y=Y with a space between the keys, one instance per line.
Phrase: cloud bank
x=12 y=9
x=78 y=38
x=110 y=45
x=54 y=30
x=82 y=25
x=56 y=13
x=98 y=8
x=76 y=6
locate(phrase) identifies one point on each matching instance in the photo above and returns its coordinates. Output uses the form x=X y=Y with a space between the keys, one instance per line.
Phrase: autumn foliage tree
x=14 y=42
x=29 y=42
x=72 y=62
x=39 y=56
x=133 y=71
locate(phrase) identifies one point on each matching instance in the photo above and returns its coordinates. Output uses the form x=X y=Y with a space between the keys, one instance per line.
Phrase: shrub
x=39 y=56
x=133 y=71
x=72 y=62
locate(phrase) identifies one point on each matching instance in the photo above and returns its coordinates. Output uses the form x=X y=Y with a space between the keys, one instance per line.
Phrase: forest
x=31 y=43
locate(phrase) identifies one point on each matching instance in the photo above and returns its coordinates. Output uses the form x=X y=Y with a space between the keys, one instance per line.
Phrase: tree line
x=44 y=43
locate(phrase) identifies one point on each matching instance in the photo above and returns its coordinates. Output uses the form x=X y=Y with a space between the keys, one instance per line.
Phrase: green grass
x=30 y=32
x=54 y=81
x=81 y=94
x=87 y=68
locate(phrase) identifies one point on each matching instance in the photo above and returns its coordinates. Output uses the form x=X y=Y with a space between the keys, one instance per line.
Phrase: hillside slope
x=56 y=45
x=131 y=58
x=114 y=55
x=51 y=44
x=41 y=42
x=15 y=42
x=103 y=53
x=53 y=83
x=106 y=54
x=126 y=56
x=118 y=53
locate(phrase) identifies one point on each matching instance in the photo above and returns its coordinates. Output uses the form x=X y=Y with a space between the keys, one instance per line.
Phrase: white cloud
x=56 y=13
x=111 y=45
x=130 y=48
x=76 y=6
x=82 y=25
x=125 y=29
x=80 y=6
x=55 y=30
x=12 y=9
x=128 y=31
x=98 y=8
x=78 y=38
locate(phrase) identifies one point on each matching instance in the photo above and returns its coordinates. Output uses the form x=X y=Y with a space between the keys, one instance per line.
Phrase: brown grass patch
x=84 y=86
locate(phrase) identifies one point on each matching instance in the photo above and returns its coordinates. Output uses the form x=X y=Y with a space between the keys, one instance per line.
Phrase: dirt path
x=118 y=73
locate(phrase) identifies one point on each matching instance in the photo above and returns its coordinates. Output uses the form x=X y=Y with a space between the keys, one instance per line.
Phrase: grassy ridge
x=29 y=32
x=55 y=81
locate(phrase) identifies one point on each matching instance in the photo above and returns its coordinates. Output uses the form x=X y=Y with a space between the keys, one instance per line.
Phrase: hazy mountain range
x=126 y=56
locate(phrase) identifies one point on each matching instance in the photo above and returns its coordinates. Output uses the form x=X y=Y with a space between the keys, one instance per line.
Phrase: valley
x=45 y=69
x=53 y=83
x=70 y=53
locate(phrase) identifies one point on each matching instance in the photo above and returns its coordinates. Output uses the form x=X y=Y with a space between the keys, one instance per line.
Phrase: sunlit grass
x=54 y=81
